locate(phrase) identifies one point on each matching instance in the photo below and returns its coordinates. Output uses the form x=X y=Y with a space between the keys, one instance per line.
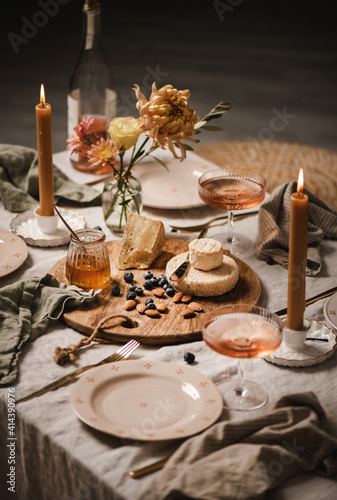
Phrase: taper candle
x=45 y=156
x=297 y=255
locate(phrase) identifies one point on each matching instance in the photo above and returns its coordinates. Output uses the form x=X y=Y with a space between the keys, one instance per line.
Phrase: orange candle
x=45 y=156
x=297 y=256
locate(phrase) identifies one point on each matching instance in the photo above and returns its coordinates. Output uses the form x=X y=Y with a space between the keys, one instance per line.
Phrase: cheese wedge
x=205 y=253
x=205 y=283
x=142 y=242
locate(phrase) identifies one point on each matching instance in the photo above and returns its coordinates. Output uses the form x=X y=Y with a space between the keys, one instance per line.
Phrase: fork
x=123 y=353
x=205 y=225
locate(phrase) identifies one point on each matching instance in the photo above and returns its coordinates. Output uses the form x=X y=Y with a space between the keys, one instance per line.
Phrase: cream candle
x=45 y=156
x=297 y=256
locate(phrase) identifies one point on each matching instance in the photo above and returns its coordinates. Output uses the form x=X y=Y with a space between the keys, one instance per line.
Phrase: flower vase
x=121 y=196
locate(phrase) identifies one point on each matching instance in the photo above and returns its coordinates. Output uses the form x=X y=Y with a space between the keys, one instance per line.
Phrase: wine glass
x=242 y=331
x=232 y=189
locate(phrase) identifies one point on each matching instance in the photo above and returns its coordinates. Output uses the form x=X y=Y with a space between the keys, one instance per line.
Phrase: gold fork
x=205 y=225
x=122 y=353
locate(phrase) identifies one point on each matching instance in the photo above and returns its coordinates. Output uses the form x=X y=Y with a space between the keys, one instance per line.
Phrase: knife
x=116 y=356
x=181 y=270
x=320 y=296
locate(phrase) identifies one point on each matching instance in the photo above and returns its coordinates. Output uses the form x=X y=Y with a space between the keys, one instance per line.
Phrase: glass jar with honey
x=87 y=263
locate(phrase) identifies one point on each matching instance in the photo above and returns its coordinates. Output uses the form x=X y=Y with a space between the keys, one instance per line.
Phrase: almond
x=186 y=299
x=129 y=304
x=158 y=292
x=161 y=307
x=177 y=297
x=153 y=313
x=195 y=306
x=187 y=313
x=141 y=308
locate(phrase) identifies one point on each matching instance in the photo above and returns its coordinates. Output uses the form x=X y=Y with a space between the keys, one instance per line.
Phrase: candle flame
x=300 y=182
x=42 y=96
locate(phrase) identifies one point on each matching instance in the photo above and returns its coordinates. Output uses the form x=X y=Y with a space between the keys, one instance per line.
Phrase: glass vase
x=120 y=197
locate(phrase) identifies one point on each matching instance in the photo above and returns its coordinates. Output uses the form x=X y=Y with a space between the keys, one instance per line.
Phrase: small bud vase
x=121 y=196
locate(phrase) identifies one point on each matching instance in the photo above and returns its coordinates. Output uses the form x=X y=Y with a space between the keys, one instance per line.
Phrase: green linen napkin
x=26 y=310
x=19 y=183
x=242 y=460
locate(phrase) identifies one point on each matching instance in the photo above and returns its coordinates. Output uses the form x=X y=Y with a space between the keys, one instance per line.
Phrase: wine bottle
x=91 y=89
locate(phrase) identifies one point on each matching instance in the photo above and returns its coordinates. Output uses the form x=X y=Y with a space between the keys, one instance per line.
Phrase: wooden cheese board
x=170 y=327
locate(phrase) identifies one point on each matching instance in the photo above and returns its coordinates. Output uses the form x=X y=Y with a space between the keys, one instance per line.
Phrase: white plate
x=25 y=225
x=13 y=252
x=173 y=189
x=313 y=352
x=330 y=310
x=146 y=400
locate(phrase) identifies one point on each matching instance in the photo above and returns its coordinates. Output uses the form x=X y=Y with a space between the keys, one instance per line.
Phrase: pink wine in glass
x=232 y=189
x=231 y=193
x=242 y=331
x=242 y=335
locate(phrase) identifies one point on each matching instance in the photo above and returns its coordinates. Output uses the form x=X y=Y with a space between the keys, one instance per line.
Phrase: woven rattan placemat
x=279 y=162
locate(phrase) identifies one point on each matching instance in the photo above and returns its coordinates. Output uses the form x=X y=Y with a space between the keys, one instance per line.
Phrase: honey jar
x=87 y=263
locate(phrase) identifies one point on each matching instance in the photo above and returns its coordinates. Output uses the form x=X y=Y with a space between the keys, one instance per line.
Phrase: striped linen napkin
x=274 y=216
x=243 y=460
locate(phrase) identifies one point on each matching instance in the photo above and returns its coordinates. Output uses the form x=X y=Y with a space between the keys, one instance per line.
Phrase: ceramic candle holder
x=294 y=339
x=46 y=223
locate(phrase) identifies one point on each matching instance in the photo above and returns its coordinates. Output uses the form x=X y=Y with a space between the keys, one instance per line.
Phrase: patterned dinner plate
x=146 y=400
x=13 y=252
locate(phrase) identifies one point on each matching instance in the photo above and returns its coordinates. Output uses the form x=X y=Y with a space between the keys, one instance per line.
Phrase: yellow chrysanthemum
x=166 y=117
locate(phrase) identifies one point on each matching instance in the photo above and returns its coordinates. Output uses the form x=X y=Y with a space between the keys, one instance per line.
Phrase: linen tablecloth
x=58 y=457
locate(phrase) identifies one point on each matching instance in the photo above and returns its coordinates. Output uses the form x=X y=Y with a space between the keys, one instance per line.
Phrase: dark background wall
x=271 y=58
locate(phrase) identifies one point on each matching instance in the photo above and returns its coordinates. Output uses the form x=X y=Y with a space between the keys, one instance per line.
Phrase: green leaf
x=160 y=161
x=216 y=112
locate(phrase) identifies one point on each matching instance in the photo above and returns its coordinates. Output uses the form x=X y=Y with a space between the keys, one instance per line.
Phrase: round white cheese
x=205 y=253
x=205 y=283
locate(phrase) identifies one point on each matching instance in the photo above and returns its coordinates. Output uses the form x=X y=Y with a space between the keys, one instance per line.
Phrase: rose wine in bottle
x=91 y=89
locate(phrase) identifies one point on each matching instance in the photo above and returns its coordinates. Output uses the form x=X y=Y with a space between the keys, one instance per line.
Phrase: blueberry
x=131 y=296
x=154 y=282
x=115 y=290
x=128 y=277
x=163 y=281
x=270 y=261
x=138 y=290
x=148 y=301
x=170 y=291
x=148 y=275
x=161 y=276
x=150 y=305
x=99 y=228
x=166 y=285
x=132 y=288
x=189 y=357
x=147 y=285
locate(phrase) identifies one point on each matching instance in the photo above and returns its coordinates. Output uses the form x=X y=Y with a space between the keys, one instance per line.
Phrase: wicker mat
x=279 y=162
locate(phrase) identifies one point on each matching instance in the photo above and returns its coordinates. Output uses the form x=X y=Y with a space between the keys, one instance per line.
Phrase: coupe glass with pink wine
x=242 y=331
x=232 y=189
